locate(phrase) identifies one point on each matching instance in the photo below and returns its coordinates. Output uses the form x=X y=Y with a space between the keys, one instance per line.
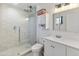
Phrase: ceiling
x=25 y=5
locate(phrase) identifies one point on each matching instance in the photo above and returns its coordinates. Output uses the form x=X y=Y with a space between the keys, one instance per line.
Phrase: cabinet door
x=72 y=52
x=48 y=48
x=60 y=50
x=53 y=49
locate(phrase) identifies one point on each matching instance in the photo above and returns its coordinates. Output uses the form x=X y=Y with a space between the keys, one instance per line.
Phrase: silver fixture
x=58 y=36
x=61 y=4
x=19 y=35
x=28 y=9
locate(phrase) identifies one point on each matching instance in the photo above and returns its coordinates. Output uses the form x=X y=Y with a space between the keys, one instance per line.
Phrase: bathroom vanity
x=53 y=49
x=64 y=46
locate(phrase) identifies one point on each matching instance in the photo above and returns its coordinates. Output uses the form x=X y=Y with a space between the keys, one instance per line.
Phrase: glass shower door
x=16 y=33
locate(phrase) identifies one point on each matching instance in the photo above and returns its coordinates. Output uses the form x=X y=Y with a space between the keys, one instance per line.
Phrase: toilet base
x=37 y=54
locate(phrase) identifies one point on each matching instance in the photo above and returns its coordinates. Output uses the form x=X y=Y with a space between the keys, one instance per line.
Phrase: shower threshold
x=17 y=51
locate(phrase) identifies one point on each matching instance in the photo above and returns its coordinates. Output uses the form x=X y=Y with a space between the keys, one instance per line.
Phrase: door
x=59 y=49
x=72 y=52
x=48 y=48
x=54 y=49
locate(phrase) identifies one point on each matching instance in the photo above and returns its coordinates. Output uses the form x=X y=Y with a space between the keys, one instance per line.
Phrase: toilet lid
x=37 y=46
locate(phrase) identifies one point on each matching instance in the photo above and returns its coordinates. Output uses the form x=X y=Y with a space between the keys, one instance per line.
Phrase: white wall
x=42 y=33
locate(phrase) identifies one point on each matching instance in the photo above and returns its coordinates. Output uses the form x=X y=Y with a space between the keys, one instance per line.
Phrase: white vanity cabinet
x=54 y=49
x=72 y=51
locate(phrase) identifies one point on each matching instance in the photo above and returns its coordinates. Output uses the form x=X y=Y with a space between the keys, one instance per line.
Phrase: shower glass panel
x=17 y=29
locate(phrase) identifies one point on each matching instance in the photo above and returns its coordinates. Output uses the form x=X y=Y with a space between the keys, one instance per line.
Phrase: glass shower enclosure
x=17 y=29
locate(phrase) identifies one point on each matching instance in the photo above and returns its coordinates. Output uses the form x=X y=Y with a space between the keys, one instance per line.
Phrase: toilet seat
x=37 y=49
x=37 y=46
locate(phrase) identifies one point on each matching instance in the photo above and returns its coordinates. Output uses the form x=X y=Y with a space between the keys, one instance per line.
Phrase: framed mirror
x=68 y=21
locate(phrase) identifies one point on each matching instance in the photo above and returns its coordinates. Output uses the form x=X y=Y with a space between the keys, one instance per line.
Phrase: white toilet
x=37 y=49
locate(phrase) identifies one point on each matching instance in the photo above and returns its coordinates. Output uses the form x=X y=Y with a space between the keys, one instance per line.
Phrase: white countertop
x=72 y=41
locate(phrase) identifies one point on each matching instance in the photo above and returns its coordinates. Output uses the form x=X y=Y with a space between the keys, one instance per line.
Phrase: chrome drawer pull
x=53 y=46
